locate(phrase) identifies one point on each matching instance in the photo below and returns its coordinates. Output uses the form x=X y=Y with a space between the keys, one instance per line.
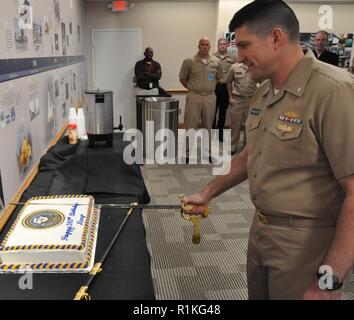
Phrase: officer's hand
x=232 y=100
x=316 y=293
x=197 y=202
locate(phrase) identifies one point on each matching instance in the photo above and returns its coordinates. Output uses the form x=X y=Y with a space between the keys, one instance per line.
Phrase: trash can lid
x=161 y=99
x=98 y=91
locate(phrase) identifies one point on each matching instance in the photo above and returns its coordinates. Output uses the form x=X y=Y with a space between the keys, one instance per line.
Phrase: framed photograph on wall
x=230 y=38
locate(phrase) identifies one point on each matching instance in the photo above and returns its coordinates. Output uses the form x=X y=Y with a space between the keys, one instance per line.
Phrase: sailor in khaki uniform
x=199 y=75
x=222 y=96
x=241 y=88
x=298 y=159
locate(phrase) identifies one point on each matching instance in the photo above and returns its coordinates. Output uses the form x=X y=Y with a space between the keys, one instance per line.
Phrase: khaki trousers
x=239 y=114
x=200 y=108
x=283 y=261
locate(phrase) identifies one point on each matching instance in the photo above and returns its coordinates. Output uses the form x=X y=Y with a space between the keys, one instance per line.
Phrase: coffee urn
x=99 y=116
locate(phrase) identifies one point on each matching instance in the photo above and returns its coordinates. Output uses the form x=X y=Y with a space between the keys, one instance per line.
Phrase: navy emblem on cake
x=44 y=219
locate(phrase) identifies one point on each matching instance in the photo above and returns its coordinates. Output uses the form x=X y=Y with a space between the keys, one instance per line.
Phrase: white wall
x=172 y=29
x=307 y=14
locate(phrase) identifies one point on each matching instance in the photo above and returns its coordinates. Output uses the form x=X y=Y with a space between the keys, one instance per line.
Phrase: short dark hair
x=324 y=32
x=261 y=16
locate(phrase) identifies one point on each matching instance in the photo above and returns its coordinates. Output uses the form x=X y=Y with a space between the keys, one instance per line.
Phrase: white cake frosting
x=52 y=234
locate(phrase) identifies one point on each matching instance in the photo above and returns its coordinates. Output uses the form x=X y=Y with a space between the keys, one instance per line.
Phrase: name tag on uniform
x=211 y=76
x=255 y=112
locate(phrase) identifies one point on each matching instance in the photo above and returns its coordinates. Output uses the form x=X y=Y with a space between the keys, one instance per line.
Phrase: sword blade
x=140 y=206
x=109 y=205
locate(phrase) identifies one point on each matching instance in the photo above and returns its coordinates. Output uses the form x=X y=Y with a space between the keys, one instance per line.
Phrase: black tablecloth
x=101 y=172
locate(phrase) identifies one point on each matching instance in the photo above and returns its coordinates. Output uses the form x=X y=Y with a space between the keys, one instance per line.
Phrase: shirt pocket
x=213 y=71
x=285 y=141
x=213 y=67
x=252 y=124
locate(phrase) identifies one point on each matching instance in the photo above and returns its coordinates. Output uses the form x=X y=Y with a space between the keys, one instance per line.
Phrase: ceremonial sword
x=83 y=294
x=108 y=205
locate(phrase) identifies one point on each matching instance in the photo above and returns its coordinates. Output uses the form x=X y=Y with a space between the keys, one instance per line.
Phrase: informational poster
x=34 y=105
x=21 y=37
x=57 y=11
x=53 y=92
x=7 y=108
x=341 y=44
x=37 y=36
x=8 y=37
x=25 y=14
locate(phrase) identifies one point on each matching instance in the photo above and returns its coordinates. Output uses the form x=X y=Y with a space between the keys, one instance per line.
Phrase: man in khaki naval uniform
x=222 y=96
x=241 y=88
x=298 y=159
x=199 y=75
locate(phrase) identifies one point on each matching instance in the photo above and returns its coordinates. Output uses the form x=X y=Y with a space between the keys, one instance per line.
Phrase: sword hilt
x=189 y=207
x=82 y=294
x=194 y=218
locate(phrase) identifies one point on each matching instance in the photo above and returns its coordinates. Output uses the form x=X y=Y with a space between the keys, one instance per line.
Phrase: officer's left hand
x=316 y=293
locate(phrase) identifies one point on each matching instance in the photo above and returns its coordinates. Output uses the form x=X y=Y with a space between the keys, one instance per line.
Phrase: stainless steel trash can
x=160 y=113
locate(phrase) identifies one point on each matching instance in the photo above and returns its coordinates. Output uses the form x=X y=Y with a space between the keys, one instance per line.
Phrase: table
x=101 y=172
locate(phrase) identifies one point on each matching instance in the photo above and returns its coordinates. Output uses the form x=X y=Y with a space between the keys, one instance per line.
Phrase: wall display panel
x=341 y=44
x=33 y=110
x=40 y=28
x=41 y=76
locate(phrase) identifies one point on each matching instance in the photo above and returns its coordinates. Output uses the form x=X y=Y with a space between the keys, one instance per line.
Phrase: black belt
x=293 y=221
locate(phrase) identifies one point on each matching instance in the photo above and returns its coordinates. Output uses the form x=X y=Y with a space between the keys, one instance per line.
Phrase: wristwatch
x=327 y=285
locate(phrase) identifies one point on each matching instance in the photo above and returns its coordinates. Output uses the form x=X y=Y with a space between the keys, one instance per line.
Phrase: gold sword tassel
x=195 y=219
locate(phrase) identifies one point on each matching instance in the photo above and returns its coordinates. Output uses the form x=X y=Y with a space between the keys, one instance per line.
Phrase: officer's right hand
x=194 y=204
